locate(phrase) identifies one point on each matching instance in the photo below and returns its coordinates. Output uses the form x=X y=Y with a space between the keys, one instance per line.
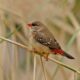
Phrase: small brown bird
x=43 y=36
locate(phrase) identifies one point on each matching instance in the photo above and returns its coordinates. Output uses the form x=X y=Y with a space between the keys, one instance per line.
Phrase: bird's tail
x=59 y=51
x=68 y=55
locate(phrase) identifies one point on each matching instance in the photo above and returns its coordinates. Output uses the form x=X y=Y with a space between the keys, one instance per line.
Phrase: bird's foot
x=45 y=55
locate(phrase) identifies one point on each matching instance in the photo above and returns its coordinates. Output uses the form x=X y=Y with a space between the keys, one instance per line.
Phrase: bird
x=43 y=36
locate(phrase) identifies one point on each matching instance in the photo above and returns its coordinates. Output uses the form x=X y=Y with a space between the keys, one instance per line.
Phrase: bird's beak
x=30 y=25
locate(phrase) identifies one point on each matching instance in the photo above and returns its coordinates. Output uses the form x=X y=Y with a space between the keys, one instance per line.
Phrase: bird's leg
x=42 y=51
x=45 y=55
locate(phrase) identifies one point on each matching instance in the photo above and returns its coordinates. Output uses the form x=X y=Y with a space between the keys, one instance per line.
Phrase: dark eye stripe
x=35 y=24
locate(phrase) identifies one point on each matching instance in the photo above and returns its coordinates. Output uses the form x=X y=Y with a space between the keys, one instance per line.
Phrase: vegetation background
x=62 y=17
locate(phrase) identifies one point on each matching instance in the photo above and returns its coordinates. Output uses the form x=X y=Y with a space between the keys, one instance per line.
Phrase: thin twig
x=64 y=65
x=34 y=70
x=43 y=68
x=51 y=59
x=13 y=42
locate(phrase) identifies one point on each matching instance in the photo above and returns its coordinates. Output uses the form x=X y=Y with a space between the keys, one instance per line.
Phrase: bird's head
x=35 y=25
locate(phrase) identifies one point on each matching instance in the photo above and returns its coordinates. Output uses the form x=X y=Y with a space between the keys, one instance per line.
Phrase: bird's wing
x=47 y=40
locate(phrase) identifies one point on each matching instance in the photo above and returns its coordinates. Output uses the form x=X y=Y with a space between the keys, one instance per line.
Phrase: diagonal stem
x=51 y=59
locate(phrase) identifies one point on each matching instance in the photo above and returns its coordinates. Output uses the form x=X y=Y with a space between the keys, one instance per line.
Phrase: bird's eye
x=34 y=24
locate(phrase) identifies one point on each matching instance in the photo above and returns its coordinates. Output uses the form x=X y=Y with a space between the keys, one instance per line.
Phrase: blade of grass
x=70 y=42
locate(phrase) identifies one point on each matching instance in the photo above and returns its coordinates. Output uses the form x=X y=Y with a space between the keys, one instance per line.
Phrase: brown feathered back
x=44 y=36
